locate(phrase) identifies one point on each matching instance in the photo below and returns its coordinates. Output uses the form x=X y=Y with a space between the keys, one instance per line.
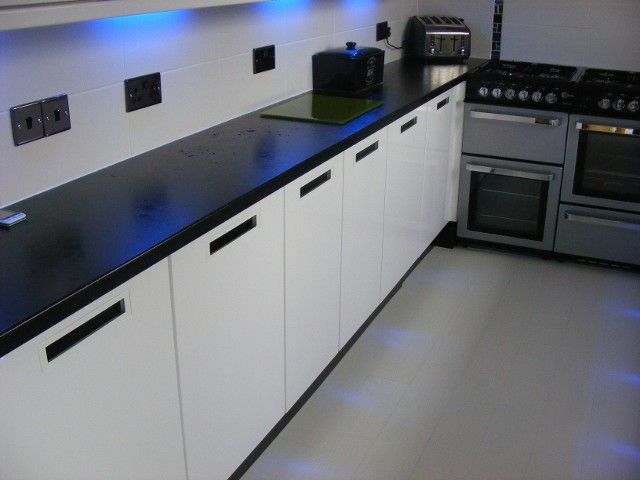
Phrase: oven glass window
x=511 y=206
x=608 y=166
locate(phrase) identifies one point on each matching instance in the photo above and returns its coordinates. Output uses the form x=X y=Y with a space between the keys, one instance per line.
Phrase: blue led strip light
x=496 y=39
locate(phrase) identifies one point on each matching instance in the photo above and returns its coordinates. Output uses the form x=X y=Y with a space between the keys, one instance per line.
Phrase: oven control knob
x=496 y=92
x=632 y=106
x=551 y=98
x=604 y=103
x=618 y=104
x=536 y=96
x=523 y=95
x=509 y=94
x=483 y=91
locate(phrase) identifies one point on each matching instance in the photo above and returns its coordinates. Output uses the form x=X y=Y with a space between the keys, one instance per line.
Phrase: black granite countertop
x=88 y=236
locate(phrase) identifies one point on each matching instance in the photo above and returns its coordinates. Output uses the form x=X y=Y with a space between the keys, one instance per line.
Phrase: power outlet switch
x=55 y=114
x=264 y=58
x=141 y=92
x=26 y=122
x=382 y=31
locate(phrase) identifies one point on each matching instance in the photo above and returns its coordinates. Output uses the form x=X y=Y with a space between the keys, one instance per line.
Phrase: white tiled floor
x=484 y=365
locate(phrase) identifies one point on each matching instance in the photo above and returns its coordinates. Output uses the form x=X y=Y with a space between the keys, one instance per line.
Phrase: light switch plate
x=26 y=122
x=56 y=117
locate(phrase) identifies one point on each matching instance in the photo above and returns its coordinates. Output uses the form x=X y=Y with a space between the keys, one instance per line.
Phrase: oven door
x=602 y=166
x=515 y=203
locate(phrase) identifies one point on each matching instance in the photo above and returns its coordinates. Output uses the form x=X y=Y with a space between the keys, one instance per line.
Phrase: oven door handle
x=503 y=117
x=507 y=172
x=592 y=127
x=604 y=222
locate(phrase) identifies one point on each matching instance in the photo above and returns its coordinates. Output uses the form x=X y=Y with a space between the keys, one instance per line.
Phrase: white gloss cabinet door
x=228 y=290
x=453 y=169
x=403 y=196
x=365 y=166
x=313 y=225
x=436 y=165
x=100 y=405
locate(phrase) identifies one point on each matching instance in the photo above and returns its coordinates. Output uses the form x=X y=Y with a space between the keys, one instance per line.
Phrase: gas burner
x=554 y=72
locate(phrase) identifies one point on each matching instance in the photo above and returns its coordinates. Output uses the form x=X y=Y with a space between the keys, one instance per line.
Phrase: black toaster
x=348 y=72
x=434 y=38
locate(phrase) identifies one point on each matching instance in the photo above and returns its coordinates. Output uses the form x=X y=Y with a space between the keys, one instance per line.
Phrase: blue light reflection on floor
x=624 y=449
x=631 y=313
x=626 y=377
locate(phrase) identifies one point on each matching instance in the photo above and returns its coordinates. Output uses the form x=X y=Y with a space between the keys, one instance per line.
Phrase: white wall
x=594 y=33
x=205 y=60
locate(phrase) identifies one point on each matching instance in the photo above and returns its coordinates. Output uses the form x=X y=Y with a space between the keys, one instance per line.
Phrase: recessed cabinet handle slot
x=233 y=234
x=315 y=183
x=442 y=103
x=89 y=327
x=367 y=151
x=408 y=125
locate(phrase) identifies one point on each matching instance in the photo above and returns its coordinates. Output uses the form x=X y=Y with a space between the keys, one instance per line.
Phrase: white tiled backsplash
x=205 y=57
x=205 y=60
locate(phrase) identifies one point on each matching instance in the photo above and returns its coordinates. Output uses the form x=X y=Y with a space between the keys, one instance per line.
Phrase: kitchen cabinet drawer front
x=96 y=396
x=453 y=169
x=362 y=231
x=313 y=226
x=432 y=216
x=228 y=289
x=403 y=196
x=516 y=133
x=594 y=233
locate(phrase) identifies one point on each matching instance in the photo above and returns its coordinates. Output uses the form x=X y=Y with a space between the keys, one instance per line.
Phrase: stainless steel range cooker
x=551 y=160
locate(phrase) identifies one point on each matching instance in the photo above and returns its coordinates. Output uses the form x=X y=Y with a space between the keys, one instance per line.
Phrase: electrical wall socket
x=143 y=91
x=382 y=31
x=26 y=122
x=264 y=58
x=55 y=114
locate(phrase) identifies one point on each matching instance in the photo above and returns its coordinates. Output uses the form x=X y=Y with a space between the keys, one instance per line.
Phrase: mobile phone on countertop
x=9 y=218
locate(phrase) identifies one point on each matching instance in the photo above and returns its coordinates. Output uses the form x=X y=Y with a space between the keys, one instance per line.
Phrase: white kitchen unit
x=365 y=166
x=403 y=196
x=436 y=166
x=15 y=14
x=228 y=291
x=455 y=151
x=96 y=396
x=313 y=227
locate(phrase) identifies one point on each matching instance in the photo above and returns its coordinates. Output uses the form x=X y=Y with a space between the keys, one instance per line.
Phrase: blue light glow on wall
x=146 y=21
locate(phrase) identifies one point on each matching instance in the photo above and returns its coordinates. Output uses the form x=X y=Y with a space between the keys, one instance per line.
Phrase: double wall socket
x=264 y=58
x=143 y=91
x=41 y=118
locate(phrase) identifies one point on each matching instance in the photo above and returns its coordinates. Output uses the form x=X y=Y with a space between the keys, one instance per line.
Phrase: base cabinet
x=313 y=225
x=228 y=289
x=433 y=214
x=403 y=195
x=96 y=396
x=365 y=166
